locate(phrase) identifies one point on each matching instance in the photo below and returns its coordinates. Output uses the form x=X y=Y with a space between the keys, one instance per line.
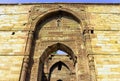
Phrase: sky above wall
x=53 y=1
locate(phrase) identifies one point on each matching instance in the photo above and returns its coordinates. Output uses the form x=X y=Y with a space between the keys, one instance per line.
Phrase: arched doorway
x=53 y=67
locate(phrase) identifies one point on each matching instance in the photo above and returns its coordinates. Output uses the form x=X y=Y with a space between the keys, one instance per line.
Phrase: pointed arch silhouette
x=51 y=49
x=57 y=64
x=55 y=47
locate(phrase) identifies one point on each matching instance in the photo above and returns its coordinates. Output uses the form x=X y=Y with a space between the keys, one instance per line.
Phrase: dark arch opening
x=57 y=65
x=59 y=80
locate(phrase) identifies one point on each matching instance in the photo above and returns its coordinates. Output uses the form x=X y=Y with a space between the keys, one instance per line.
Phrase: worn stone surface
x=88 y=33
x=10 y=67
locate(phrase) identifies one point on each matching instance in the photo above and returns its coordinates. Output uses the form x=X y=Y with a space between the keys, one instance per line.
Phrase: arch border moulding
x=36 y=15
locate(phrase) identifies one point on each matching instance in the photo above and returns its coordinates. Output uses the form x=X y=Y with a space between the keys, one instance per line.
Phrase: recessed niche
x=92 y=31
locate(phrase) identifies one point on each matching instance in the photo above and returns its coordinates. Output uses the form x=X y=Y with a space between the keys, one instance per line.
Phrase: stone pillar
x=24 y=68
x=35 y=71
x=26 y=58
x=86 y=73
x=29 y=43
x=83 y=69
x=92 y=68
x=87 y=33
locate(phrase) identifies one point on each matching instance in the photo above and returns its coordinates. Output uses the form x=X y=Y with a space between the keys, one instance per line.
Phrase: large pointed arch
x=41 y=16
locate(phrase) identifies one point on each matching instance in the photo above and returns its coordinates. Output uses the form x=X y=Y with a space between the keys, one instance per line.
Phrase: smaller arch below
x=68 y=62
x=59 y=66
x=55 y=47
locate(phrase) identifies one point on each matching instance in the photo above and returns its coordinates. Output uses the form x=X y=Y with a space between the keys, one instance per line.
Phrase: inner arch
x=58 y=65
x=55 y=47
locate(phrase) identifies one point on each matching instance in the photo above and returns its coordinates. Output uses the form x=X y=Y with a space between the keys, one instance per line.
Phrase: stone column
x=26 y=58
x=92 y=68
x=83 y=68
x=87 y=33
x=24 y=68
x=87 y=51
x=29 y=43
